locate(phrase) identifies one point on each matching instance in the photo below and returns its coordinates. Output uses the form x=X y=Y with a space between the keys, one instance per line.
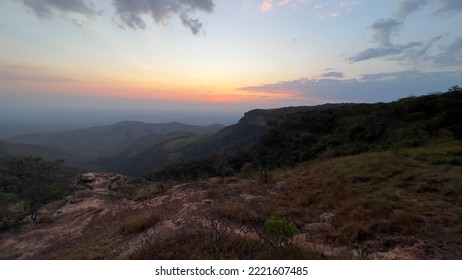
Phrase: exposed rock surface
x=71 y=228
x=89 y=223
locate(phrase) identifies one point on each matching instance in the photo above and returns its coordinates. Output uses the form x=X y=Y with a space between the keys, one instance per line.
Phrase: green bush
x=279 y=230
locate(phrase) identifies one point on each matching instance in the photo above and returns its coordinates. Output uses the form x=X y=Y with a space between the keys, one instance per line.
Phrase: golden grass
x=140 y=222
x=378 y=194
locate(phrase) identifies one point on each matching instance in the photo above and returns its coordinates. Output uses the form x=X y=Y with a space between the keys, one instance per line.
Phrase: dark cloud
x=332 y=75
x=51 y=8
x=193 y=24
x=407 y=7
x=383 y=29
x=399 y=51
x=449 y=6
x=130 y=12
x=450 y=55
x=369 y=88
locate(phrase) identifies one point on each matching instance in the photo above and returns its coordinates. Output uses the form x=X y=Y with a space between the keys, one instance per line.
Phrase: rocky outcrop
x=62 y=223
x=75 y=227
x=101 y=182
x=98 y=221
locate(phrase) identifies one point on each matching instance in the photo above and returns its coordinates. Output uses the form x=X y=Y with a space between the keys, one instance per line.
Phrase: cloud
x=193 y=24
x=378 y=87
x=407 y=7
x=449 y=6
x=391 y=50
x=30 y=74
x=266 y=6
x=412 y=52
x=333 y=75
x=383 y=29
x=48 y=9
x=130 y=12
x=451 y=54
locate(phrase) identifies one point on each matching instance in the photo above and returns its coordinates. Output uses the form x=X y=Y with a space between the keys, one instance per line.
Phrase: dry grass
x=140 y=222
x=379 y=195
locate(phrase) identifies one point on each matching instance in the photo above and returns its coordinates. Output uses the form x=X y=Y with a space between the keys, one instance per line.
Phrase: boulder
x=87 y=177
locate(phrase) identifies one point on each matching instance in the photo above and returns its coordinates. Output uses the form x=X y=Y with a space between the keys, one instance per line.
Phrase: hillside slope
x=401 y=204
x=108 y=139
x=356 y=128
x=15 y=149
x=147 y=156
x=299 y=134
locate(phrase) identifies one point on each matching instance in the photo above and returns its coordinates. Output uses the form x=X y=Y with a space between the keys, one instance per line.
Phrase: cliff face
x=256 y=117
x=263 y=117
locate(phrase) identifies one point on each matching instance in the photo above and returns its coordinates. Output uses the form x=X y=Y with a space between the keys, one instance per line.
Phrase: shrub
x=130 y=192
x=265 y=176
x=279 y=230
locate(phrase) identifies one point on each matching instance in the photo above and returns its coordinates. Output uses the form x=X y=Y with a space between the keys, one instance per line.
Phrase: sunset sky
x=225 y=57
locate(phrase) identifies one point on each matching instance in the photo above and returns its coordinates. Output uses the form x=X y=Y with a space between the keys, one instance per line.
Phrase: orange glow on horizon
x=141 y=87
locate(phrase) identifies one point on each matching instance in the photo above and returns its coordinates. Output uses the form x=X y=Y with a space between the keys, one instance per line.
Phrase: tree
x=34 y=180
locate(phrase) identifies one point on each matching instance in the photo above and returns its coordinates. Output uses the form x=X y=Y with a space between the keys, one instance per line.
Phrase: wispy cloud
x=325 y=8
x=450 y=55
x=332 y=74
x=406 y=7
x=13 y=73
x=390 y=51
x=49 y=9
x=449 y=6
x=266 y=6
x=384 y=31
x=368 y=88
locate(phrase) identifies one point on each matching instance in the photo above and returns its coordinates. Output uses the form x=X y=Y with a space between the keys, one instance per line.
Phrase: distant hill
x=265 y=139
x=147 y=154
x=298 y=134
x=14 y=149
x=108 y=139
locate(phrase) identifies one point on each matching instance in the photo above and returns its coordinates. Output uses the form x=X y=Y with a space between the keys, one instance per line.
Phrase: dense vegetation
x=183 y=146
x=356 y=128
x=27 y=183
x=399 y=203
x=332 y=131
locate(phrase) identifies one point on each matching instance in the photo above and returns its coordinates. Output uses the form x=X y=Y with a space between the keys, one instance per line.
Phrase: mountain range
x=82 y=146
x=267 y=138
x=343 y=181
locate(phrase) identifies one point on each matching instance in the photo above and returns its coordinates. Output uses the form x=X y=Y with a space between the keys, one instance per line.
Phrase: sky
x=207 y=61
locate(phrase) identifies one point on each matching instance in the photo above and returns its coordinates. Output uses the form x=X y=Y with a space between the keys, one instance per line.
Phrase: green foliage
x=30 y=182
x=131 y=191
x=279 y=229
x=265 y=176
x=331 y=131
x=356 y=128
